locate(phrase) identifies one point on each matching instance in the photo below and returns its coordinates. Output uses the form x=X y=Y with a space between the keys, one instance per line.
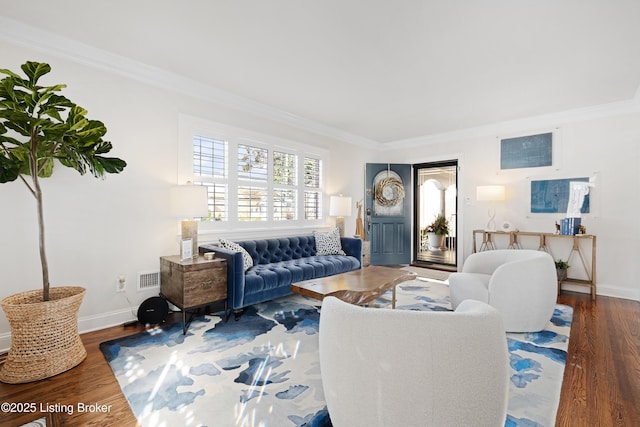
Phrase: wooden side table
x=193 y=284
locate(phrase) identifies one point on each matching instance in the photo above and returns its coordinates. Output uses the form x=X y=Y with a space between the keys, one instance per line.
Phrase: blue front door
x=388 y=212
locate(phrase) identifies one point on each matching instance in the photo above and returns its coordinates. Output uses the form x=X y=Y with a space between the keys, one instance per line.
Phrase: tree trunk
x=33 y=166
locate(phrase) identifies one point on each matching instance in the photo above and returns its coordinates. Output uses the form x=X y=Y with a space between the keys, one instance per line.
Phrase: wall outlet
x=121 y=283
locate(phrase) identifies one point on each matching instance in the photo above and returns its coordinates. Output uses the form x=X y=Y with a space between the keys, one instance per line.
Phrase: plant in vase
x=39 y=128
x=561 y=269
x=437 y=231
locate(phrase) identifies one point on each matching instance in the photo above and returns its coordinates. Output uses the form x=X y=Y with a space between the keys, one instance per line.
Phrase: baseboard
x=617 y=292
x=87 y=324
x=606 y=291
x=106 y=320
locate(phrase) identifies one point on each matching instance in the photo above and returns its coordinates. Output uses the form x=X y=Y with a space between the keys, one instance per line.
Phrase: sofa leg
x=237 y=313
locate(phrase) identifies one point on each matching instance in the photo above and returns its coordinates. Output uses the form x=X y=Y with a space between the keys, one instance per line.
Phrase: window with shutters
x=256 y=179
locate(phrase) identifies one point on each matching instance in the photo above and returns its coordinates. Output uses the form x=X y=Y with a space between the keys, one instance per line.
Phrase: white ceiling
x=379 y=70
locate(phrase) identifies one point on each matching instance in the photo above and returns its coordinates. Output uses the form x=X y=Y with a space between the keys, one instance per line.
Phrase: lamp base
x=340 y=225
x=491 y=225
x=189 y=230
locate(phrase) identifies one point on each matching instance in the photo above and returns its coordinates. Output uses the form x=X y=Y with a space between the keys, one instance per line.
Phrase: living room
x=101 y=230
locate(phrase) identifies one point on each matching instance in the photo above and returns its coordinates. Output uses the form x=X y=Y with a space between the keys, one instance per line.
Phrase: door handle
x=368 y=219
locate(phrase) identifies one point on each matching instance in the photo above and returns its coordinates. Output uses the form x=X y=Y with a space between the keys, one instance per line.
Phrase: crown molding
x=518 y=125
x=17 y=33
x=20 y=34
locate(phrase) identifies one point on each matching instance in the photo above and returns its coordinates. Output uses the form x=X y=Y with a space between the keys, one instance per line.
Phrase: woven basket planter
x=44 y=334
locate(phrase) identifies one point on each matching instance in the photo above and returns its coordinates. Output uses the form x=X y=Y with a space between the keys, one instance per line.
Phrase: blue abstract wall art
x=529 y=151
x=552 y=196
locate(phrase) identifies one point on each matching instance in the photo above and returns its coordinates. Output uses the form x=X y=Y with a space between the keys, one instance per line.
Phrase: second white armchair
x=521 y=284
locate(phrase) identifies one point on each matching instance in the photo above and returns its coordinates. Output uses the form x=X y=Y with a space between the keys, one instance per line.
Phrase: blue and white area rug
x=263 y=370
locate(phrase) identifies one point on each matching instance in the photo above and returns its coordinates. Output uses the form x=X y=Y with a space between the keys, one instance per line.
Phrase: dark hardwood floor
x=601 y=384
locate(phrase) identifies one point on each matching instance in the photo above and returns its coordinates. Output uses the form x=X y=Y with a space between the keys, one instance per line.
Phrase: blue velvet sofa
x=277 y=263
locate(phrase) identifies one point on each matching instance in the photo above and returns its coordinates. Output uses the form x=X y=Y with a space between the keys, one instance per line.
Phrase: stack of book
x=570 y=226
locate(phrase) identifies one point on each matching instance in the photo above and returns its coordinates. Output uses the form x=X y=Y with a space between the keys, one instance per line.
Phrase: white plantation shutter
x=312 y=193
x=210 y=170
x=285 y=168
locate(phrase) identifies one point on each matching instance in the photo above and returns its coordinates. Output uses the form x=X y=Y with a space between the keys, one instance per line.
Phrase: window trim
x=190 y=126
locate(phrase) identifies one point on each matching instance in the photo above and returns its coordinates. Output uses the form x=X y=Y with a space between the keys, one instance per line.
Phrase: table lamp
x=340 y=206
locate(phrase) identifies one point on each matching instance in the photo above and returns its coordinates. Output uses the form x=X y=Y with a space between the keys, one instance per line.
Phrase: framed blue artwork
x=530 y=151
x=552 y=196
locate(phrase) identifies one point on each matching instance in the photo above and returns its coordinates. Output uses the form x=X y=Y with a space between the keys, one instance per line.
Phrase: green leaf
x=7 y=89
x=45 y=167
x=59 y=101
x=52 y=112
x=92 y=129
x=35 y=70
x=9 y=73
x=111 y=164
x=103 y=147
x=23 y=128
x=9 y=169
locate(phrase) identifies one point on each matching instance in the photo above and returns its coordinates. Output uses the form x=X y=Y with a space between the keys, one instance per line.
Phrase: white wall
x=604 y=147
x=97 y=229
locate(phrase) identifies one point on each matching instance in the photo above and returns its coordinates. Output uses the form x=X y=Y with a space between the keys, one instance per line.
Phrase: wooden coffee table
x=355 y=287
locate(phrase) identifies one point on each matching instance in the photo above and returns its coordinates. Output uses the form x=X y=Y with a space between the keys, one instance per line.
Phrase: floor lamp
x=491 y=194
x=189 y=202
x=340 y=206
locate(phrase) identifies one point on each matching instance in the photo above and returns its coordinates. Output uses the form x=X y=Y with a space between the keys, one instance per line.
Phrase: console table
x=516 y=239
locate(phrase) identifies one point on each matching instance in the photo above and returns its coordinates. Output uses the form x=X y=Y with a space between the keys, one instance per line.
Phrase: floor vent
x=148 y=280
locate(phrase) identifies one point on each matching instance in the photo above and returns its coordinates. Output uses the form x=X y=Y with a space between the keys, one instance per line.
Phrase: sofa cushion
x=263 y=277
x=247 y=261
x=328 y=243
x=266 y=251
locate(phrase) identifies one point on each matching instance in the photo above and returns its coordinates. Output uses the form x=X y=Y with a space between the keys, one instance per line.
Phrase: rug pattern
x=263 y=370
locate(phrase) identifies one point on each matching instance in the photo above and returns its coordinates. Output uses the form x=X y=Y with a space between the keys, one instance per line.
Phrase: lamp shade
x=340 y=206
x=490 y=193
x=189 y=201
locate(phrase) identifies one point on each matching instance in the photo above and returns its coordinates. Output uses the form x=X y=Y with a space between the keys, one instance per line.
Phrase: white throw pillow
x=328 y=243
x=247 y=261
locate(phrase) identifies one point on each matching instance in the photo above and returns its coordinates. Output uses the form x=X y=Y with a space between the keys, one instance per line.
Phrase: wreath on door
x=389 y=192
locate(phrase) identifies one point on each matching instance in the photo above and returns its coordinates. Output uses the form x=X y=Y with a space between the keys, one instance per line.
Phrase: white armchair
x=521 y=284
x=387 y=368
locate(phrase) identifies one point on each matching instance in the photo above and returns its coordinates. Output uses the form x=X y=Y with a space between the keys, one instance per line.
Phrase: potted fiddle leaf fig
x=39 y=128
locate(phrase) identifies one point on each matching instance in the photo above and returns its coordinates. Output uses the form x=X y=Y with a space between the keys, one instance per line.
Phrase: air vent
x=148 y=280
